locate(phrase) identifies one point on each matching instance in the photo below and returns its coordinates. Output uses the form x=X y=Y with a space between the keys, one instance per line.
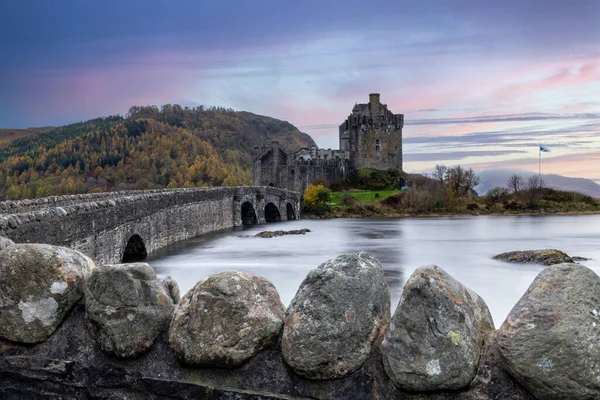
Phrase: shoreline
x=334 y=215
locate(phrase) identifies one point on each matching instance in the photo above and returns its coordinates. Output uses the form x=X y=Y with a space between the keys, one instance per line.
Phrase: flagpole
x=540 y=163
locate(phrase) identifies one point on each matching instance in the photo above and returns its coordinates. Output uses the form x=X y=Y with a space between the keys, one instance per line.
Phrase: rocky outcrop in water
x=544 y=257
x=435 y=337
x=39 y=284
x=335 y=316
x=225 y=320
x=126 y=308
x=272 y=234
x=550 y=341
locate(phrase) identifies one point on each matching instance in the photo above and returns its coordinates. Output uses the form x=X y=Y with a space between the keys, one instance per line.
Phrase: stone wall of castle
x=371 y=137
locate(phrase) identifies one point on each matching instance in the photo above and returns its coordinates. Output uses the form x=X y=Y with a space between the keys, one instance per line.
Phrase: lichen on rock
x=436 y=335
x=126 y=308
x=335 y=316
x=225 y=320
x=39 y=284
x=550 y=341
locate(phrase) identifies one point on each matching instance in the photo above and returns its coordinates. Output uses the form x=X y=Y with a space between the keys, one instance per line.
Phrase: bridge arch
x=135 y=250
x=272 y=213
x=289 y=209
x=248 y=214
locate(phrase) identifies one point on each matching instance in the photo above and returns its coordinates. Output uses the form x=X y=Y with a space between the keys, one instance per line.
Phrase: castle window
x=377 y=145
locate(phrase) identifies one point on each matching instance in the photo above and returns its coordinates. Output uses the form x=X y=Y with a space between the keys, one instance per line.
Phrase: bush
x=512 y=205
x=348 y=200
x=370 y=179
x=316 y=199
x=472 y=206
x=393 y=201
x=496 y=195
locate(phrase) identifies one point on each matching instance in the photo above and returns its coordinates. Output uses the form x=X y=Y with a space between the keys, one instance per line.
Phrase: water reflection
x=463 y=246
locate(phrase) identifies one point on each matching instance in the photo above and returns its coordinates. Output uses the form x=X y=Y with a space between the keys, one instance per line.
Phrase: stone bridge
x=114 y=227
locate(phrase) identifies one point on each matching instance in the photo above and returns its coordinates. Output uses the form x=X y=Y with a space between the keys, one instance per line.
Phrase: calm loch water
x=463 y=246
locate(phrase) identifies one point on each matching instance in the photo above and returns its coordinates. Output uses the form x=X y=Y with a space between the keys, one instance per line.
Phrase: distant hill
x=497 y=177
x=8 y=135
x=150 y=148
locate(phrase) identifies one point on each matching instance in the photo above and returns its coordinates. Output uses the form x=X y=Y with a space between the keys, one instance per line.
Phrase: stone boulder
x=39 y=284
x=436 y=335
x=172 y=289
x=550 y=341
x=225 y=320
x=544 y=257
x=5 y=242
x=126 y=308
x=335 y=316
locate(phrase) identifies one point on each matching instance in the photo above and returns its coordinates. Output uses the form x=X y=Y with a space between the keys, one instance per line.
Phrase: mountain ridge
x=497 y=177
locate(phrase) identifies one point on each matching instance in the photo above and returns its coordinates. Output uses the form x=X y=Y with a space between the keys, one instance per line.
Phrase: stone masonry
x=102 y=226
x=371 y=137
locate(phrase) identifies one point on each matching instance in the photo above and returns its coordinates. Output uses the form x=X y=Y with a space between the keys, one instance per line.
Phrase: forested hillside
x=151 y=148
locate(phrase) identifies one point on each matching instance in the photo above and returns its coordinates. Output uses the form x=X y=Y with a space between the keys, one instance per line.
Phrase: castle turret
x=374 y=105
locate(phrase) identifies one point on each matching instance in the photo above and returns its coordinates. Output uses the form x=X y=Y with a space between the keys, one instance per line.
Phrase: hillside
x=8 y=135
x=497 y=177
x=151 y=148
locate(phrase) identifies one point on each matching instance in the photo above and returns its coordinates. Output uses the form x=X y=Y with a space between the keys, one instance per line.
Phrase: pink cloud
x=564 y=76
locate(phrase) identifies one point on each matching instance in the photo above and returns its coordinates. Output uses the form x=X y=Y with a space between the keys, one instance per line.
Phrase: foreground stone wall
x=101 y=224
x=130 y=336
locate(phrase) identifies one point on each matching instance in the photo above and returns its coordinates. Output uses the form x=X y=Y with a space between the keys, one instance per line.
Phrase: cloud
x=455 y=155
x=524 y=117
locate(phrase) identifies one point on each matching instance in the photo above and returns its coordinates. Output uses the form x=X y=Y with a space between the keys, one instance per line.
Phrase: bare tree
x=439 y=173
x=515 y=183
x=461 y=181
x=536 y=182
x=470 y=181
x=535 y=189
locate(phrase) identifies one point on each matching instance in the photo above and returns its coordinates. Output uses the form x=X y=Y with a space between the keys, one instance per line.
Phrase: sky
x=481 y=83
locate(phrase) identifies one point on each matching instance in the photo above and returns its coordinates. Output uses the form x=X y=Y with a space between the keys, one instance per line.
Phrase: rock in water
x=544 y=257
x=435 y=337
x=225 y=320
x=39 y=284
x=126 y=308
x=550 y=341
x=335 y=316
x=272 y=234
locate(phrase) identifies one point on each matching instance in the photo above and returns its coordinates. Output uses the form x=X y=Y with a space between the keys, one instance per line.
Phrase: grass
x=363 y=196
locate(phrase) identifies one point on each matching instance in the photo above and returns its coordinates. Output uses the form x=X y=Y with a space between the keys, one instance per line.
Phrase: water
x=463 y=246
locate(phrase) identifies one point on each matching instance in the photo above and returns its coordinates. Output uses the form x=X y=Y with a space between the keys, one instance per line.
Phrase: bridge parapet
x=101 y=226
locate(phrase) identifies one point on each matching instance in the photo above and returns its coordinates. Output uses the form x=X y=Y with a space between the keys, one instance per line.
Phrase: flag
x=544 y=149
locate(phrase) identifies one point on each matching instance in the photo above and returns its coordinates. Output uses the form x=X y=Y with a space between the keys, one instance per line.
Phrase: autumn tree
x=317 y=199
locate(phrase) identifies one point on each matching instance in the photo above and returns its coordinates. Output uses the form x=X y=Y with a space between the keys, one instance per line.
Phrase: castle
x=371 y=137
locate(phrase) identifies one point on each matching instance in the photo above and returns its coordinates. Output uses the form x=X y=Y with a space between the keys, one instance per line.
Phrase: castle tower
x=374 y=105
x=373 y=136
